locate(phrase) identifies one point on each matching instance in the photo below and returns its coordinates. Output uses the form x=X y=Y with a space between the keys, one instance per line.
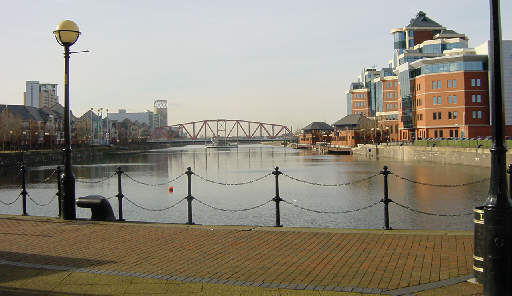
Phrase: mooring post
x=23 y=189
x=509 y=172
x=120 y=194
x=277 y=198
x=190 y=198
x=59 y=189
x=386 y=199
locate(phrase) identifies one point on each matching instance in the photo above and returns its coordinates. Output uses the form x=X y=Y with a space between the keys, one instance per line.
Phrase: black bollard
x=509 y=172
x=386 y=199
x=23 y=189
x=277 y=198
x=190 y=198
x=120 y=194
x=59 y=189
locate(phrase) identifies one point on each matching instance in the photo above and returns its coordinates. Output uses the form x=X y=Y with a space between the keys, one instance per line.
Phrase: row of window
x=453 y=133
x=449 y=67
x=391 y=106
x=391 y=95
x=359 y=104
x=476 y=98
x=439 y=100
x=449 y=83
x=358 y=96
x=437 y=115
x=477 y=114
x=391 y=84
x=475 y=82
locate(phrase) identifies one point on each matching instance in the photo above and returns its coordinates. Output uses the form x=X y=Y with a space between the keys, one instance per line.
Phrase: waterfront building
x=316 y=132
x=160 y=113
x=145 y=117
x=352 y=130
x=40 y=95
x=434 y=87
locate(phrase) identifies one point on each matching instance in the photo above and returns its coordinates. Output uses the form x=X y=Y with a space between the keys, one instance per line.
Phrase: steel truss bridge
x=233 y=130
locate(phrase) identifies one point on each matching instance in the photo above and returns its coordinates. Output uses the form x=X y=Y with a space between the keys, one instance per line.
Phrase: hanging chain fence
x=440 y=185
x=331 y=212
x=331 y=185
x=10 y=203
x=429 y=213
x=154 y=210
x=96 y=182
x=42 y=204
x=233 y=184
x=231 y=210
x=156 y=184
x=49 y=177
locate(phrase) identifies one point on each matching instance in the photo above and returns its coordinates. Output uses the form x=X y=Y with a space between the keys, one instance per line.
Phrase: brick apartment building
x=434 y=87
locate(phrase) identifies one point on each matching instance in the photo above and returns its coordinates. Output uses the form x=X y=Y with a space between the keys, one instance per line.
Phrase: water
x=249 y=162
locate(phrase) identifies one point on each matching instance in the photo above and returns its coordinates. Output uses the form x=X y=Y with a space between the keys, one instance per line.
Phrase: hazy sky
x=277 y=61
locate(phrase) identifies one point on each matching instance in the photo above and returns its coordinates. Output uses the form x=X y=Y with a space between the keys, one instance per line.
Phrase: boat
x=221 y=142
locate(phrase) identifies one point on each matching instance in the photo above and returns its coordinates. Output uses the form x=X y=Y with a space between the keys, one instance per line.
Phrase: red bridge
x=234 y=130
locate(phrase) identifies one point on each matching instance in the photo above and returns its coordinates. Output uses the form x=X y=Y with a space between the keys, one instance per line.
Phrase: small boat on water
x=221 y=142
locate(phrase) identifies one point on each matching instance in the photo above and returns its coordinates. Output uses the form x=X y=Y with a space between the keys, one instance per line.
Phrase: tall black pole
x=497 y=206
x=68 y=203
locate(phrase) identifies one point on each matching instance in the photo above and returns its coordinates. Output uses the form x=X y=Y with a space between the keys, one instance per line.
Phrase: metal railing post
x=190 y=198
x=23 y=189
x=120 y=194
x=277 y=198
x=386 y=199
x=59 y=189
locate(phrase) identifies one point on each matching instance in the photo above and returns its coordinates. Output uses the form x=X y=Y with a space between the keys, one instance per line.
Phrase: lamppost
x=497 y=207
x=67 y=34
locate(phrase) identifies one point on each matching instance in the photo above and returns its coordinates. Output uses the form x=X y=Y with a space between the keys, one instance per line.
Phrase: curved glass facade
x=399 y=38
x=450 y=67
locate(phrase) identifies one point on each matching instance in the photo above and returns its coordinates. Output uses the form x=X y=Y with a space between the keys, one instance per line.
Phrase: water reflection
x=252 y=161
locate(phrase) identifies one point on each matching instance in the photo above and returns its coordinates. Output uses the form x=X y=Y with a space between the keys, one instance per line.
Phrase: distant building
x=316 y=132
x=160 y=114
x=140 y=117
x=40 y=95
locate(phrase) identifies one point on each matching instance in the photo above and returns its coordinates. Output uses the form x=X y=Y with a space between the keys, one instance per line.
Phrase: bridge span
x=242 y=131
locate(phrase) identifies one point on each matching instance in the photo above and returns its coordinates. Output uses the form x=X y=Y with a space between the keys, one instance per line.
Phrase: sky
x=276 y=61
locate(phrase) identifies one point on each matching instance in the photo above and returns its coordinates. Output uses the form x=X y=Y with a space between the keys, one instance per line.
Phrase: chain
x=95 y=182
x=233 y=184
x=231 y=210
x=155 y=210
x=48 y=178
x=42 y=205
x=429 y=213
x=332 y=185
x=157 y=184
x=331 y=212
x=10 y=203
x=440 y=185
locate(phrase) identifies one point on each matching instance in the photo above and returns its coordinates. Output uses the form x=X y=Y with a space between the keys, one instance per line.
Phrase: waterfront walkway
x=48 y=256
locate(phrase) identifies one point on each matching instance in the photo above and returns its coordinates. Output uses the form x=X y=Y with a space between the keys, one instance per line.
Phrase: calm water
x=253 y=161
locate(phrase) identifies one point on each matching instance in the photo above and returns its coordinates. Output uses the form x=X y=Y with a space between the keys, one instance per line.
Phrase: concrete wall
x=444 y=155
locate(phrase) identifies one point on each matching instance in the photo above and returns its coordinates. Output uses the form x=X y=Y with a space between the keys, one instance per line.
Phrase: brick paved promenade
x=136 y=258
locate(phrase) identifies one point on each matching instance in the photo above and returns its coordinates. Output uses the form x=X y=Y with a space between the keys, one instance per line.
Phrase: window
x=473 y=82
x=439 y=84
x=419 y=102
x=435 y=134
x=478 y=98
x=474 y=114
x=449 y=99
x=473 y=98
x=479 y=114
x=438 y=100
x=454 y=83
x=434 y=100
x=449 y=84
x=449 y=115
x=456 y=133
x=438 y=115
x=440 y=134
x=454 y=99
x=478 y=82
x=434 y=84
x=434 y=116
x=451 y=133
x=454 y=115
